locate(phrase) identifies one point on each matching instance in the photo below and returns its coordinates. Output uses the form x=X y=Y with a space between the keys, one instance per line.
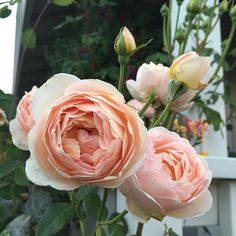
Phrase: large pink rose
x=84 y=134
x=151 y=77
x=23 y=122
x=172 y=181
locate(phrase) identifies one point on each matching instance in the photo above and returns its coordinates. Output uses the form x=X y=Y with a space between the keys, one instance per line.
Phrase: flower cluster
x=83 y=133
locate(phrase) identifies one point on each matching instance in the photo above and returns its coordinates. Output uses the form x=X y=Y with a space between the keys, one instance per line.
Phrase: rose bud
x=190 y=69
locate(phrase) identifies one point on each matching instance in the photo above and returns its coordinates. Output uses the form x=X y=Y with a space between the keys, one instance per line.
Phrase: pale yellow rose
x=190 y=69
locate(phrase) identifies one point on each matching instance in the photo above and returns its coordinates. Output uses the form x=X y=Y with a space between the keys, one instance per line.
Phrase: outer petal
x=134 y=91
x=49 y=92
x=40 y=176
x=95 y=86
x=191 y=72
x=183 y=108
x=141 y=204
x=198 y=207
x=139 y=213
x=19 y=137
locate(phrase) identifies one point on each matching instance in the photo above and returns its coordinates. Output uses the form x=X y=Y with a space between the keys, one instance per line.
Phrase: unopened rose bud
x=164 y=10
x=194 y=7
x=223 y=7
x=124 y=44
x=233 y=14
x=190 y=69
x=3 y=118
x=180 y=35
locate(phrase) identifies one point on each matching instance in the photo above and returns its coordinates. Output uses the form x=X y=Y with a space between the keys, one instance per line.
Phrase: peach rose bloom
x=138 y=107
x=23 y=122
x=84 y=134
x=172 y=181
x=190 y=69
x=151 y=77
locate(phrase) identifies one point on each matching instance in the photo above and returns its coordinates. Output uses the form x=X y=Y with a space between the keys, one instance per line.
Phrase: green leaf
x=212 y=116
x=5 y=12
x=92 y=203
x=83 y=192
x=8 y=167
x=55 y=218
x=19 y=176
x=118 y=228
x=6 y=191
x=28 y=39
x=63 y=3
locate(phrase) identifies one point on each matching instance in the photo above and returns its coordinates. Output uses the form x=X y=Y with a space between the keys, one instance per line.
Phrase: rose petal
x=49 y=92
x=197 y=208
x=43 y=177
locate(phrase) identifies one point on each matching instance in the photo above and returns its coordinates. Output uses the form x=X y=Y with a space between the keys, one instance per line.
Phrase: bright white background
x=7 y=47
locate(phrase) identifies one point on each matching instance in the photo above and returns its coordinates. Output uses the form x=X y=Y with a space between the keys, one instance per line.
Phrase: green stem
x=225 y=51
x=187 y=35
x=97 y=228
x=139 y=229
x=79 y=213
x=165 y=112
x=114 y=220
x=209 y=29
x=198 y=29
x=123 y=61
x=161 y=117
x=168 y=33
x=164 y=32
x=177 y=22
x=121 y=78
x=104 y=199
x=147 y=104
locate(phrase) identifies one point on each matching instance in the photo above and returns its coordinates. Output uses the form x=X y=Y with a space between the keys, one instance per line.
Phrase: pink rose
x=190 y=69
x=138 y=107
x=151 y=77
x=172 y=181
x=23 y=122
x=84 y=134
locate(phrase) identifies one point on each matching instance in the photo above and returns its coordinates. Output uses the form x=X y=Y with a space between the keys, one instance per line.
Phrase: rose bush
x=23 y=122
x=172 y=181
x=84 y=134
